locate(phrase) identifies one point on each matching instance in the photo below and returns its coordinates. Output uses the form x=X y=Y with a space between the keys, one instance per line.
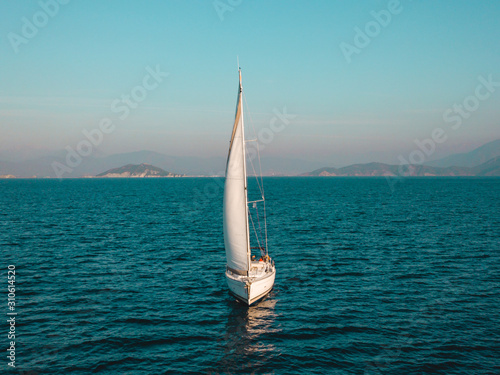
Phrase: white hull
x=252 y=288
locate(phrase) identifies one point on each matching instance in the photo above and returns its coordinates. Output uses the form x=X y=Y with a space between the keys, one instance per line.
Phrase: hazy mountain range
x=473 y=158
x=482 y=161
x=197 y=166
x=490 y=168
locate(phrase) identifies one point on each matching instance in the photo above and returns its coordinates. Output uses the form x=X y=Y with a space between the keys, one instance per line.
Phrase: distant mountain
x=186 y=165
x=490 y=168
x=483 y=161
x=381 y=169
x=470 y=159
x=134 y=170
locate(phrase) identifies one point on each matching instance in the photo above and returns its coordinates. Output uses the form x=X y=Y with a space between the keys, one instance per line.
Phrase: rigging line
x=258 y=220
x=253 y=226
x=259 y=183
x=256 y=177
x=265 y=225
x=260 y=167
x=264 y=201
x=258 y=148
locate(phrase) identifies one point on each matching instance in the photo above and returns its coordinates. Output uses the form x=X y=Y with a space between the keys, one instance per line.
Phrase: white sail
x=235 y=198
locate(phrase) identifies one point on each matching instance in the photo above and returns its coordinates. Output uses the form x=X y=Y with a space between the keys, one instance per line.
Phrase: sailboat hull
x=250 y=289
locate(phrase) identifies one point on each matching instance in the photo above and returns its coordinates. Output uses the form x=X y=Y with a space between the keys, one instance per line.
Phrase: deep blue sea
x=126 y=276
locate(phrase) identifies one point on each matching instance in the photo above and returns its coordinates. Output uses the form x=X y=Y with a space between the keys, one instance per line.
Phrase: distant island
x=490 y=168
x=137 y=170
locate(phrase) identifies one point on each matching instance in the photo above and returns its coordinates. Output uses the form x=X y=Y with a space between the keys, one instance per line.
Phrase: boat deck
x=258 y=269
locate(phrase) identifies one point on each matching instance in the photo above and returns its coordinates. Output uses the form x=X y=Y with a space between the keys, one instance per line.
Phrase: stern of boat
x=250 y=289
x=261 y=286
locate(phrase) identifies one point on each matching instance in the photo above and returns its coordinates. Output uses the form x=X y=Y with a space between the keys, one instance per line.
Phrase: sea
x=374 y=276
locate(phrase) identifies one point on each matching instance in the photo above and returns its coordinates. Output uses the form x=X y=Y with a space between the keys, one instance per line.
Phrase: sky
x=334 y=81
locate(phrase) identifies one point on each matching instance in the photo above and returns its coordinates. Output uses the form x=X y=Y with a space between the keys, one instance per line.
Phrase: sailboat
x=249 y=279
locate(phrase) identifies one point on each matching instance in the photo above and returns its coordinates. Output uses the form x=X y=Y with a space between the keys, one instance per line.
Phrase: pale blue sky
x=428 y=57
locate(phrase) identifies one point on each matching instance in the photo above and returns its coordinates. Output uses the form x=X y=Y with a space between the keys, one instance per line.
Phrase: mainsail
x=235 y=197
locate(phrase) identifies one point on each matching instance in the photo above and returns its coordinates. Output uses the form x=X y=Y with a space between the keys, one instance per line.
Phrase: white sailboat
x=248 y=279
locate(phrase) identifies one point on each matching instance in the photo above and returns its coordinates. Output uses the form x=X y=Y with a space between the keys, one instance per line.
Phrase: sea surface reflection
x=248 y=334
